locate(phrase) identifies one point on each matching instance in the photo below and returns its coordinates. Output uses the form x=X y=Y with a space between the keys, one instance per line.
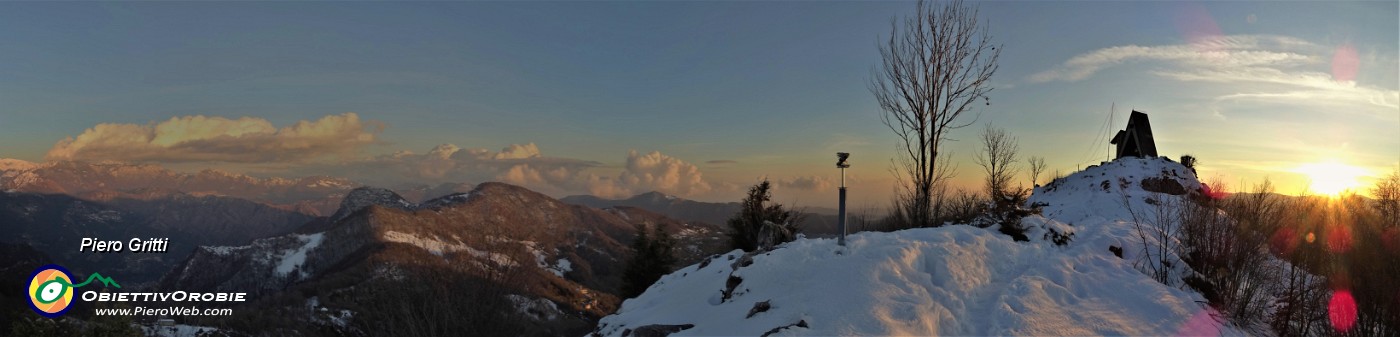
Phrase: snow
x=362 y=197
x=178 y=330
x=332 y=183
x=563 y=265
x=435 y=246
x=343 y=318
x=223 y=250
x=455 y=198
x=439 y=247
x=539 y=308
x=7 y=164
x=297 y=257
x=952 y=280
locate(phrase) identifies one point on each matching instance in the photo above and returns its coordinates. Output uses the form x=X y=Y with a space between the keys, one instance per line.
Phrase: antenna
x=1111 y=107
x=1088 y=155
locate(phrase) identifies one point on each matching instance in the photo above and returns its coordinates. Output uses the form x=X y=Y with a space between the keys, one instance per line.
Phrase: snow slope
x=953 y=280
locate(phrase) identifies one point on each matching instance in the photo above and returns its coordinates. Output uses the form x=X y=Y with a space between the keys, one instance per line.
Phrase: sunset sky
x=697 y=99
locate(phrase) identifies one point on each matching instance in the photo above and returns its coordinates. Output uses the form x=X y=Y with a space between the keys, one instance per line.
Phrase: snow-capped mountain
x=952 y=280
x=362 y=197
x=315 y=195
x=558 y=265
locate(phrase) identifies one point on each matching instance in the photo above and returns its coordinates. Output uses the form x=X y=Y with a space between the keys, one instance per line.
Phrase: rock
x=657 y=330
x=1163 y=185
x=729 y=285
x=800 y=324
x=759 y=307
x=744 y=261
x=771 y=235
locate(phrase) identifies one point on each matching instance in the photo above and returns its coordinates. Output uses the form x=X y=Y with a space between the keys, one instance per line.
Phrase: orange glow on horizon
x=1331 y=178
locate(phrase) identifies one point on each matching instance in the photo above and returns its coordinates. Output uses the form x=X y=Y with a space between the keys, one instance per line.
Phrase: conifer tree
x=745 y=226
x=652 y=258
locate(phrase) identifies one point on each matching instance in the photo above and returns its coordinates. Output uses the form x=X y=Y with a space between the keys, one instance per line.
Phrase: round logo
x=50 y=290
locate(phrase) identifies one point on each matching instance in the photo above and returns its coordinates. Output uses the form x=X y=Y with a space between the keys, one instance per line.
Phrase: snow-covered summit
x=1098 y=192
x=362 y=197
x=8 y=164
x=952 y=280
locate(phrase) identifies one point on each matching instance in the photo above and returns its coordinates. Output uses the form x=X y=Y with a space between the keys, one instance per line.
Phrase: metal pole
x=841 y=224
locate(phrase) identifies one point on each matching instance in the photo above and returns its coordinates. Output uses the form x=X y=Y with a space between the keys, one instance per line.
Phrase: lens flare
x=1391 y=240
x=1198 y=26
x=1200 y=324
x=1339 y=239
x=1345 y=62
x=1284 y=241
x=1341 y=310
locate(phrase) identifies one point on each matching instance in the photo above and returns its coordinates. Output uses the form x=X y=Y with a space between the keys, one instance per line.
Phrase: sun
x=1331 y=177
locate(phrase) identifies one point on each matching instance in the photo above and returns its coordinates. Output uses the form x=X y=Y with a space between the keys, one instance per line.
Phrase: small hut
x=1136 y=139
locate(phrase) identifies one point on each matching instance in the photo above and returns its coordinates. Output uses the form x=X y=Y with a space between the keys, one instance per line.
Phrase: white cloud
x=521 y=164
x=219 y=139
x=1224 y=52
x=526 y=165
x=659 y=172
x=806 y=183
x=1251 y=67
x=517 y=151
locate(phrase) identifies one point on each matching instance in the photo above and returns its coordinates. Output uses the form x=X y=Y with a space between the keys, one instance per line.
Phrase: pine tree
x=652 y=258
x=745 y=226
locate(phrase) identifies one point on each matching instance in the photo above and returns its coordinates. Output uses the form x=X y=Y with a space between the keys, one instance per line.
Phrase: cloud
x=722 y=162
x=659 y=172
x=807 y=183
x=1276 y=69
x=330 y=146
x=524 y=165
x=219 y=139
x=517 y=151
x=1222 y=52
x=520 y=164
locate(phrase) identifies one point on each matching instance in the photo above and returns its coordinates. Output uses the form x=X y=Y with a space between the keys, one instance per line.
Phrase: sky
x=697 y=99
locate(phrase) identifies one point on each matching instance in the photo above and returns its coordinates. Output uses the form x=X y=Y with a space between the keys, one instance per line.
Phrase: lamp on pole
x=841 y=211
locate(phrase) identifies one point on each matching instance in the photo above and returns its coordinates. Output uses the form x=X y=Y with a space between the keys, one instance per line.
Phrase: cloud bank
x=525 y=165
x=806 y=183
x=1255 y=67
x=332 y=146
x=219 y=139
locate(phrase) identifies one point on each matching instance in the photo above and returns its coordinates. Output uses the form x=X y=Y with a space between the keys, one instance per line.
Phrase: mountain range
x=530 y=264
x=551 y=268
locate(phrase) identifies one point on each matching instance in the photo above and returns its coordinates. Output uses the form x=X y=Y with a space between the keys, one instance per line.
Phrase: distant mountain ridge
x=672 y=206
x=563 y=262
x=819 y=221
x=315 y=195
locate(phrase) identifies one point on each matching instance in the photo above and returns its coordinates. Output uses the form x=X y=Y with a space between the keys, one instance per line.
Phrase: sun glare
x=1331 y=178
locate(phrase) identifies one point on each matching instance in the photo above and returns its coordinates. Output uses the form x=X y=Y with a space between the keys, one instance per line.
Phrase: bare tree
x=934 y=66
x=998 y=160
x=1037 y=165
x=1387 y=196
